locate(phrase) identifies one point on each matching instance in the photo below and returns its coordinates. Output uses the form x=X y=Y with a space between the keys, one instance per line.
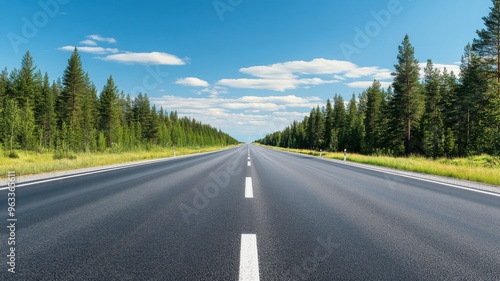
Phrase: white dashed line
x=249 y=164
x=248 y=188
x=249 y=258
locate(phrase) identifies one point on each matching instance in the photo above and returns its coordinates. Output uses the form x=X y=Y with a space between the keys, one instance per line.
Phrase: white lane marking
x=122 y=166
x=249 y=258
x=426 y=180
x=87 y=173
x=249 y=164
x=248 y=187
x=361 y=166
x=248 y=157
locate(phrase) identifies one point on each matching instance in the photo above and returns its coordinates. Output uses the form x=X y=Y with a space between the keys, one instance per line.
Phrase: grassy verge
x=483 y=168
x=31 y=163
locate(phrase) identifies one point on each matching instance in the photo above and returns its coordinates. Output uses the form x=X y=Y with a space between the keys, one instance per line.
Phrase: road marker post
x=320 y=153
x=345 y=154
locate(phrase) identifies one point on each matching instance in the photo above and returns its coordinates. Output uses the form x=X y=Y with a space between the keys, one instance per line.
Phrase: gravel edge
x=49 y=175
x=442 y=179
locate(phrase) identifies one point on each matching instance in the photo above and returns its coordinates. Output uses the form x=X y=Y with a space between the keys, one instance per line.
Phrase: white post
x=320 y=153
x=345 y=156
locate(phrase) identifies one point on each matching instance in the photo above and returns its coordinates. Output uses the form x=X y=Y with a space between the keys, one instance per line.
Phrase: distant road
x=250 y=213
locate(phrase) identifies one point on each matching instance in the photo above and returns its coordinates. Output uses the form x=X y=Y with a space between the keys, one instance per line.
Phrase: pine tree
x=471 y=102
x=46 y=115
x=375 y=97
x=355 y=137
x=89 y=116
x=328 y=124
x=69 y=103
x=432 y=120
x=407 y=102
x=319 y=128
x=487 y=48
x=25 y=87
x=108 y=112
x=11 y=124
x=339 y=124
x=487 y=45
x=310 y=129
x=448 y=105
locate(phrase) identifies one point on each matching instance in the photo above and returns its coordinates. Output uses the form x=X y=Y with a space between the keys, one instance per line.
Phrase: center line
x=249 y=164
x=248 y=188
x=249 y=258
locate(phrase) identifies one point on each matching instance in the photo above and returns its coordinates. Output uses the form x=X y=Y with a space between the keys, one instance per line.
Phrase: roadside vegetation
x=68 y=124
x=435 y=121
x=481 y=168
x=31 y=163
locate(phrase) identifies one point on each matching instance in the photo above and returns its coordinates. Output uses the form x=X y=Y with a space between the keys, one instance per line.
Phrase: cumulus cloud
x=88 y=42
x=367 y=84
x=449 y=67
x=296 y=74
x=99 y=38
x=192 y=81
x=151 y=58
x=115 y=55
x=251 y=116
x=91 y=50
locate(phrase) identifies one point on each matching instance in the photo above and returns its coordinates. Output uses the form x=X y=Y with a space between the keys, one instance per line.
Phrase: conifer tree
x=407 y=102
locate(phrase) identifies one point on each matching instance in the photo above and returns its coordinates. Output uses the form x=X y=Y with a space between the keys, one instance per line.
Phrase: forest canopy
x=69 y=115
x=437 y=115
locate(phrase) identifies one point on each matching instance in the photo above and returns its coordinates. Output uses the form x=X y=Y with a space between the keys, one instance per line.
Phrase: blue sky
x=249 y=67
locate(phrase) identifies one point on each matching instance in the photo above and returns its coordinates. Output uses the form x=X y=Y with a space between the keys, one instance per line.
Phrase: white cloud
x=152 y=58
x=449 y=67
x=288 y=69
x=92 y=50
x=272 y=84
x=302 y=74
x=252 y=117
x=367 y=84
x=192 y=81
x=99 y=38
x=214 y=91
x=88 y=42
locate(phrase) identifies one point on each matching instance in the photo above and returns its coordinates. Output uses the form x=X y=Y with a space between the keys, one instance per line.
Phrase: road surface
x=249 y=213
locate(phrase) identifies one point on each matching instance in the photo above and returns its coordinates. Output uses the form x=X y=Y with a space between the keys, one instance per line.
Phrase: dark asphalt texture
x=182 y=219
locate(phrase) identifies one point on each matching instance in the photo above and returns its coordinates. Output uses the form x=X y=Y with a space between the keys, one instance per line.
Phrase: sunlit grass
x=31 y=163
x=482 y=168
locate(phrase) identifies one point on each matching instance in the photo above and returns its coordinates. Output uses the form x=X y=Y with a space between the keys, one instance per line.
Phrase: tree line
x=69 y=115
x=441 y=115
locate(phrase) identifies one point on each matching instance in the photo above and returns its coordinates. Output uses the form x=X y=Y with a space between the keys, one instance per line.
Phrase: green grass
x=482 y=168
x=31 y=163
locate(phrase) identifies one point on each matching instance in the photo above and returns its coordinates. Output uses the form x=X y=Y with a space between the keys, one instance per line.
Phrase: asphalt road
x=249 y=213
